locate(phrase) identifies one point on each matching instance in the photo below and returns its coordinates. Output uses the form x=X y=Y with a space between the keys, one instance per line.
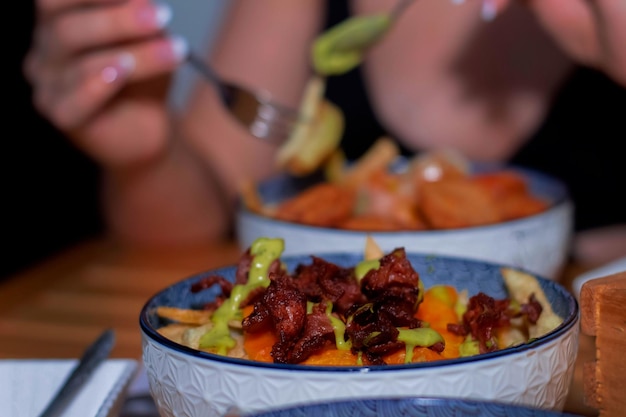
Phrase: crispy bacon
x=283 y=306
x=372 y=309
x=211 y=280
x=322 y=280
x=386 y=298
x=532 y=310
x=485 y=314
x=394 y=289
x=208 y=282
x=318 y=333
x=372 y=334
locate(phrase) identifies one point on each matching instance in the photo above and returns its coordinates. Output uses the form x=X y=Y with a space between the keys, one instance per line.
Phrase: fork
x=254 y=110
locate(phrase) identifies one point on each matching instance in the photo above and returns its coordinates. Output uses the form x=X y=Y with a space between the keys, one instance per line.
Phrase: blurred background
x=50 y=189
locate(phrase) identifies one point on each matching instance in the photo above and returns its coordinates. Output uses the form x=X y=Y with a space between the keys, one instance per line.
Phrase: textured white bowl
x=187 y=382
x=538 y=243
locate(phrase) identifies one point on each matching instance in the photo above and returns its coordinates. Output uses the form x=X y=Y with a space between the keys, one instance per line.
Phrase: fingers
x=70 y=96
x=47 y=8
x=73 y=31
x=86 y=51
x=489 y=9
x=571 y=24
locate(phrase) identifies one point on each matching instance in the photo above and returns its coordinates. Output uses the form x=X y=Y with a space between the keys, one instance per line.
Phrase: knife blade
x=94 y=355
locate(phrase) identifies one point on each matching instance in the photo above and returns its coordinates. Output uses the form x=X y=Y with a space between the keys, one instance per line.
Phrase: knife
x=91 y=359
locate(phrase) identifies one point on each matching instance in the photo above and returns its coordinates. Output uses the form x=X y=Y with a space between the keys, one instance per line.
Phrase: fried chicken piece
x=510 y=191
x=323 y=204
x=386 y=201
x=457 y=203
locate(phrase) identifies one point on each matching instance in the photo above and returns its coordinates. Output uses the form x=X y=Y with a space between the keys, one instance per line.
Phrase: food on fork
x=376 y=312
x=313 y=142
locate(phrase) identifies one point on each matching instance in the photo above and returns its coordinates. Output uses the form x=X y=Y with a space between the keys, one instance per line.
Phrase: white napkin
x=26 y=386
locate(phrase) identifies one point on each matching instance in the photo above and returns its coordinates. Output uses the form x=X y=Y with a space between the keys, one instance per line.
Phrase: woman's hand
x=593 y=32
x=100 y=70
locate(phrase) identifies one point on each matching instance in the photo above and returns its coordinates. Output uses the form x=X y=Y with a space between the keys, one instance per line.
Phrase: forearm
x=264 y=46
x=169 y=200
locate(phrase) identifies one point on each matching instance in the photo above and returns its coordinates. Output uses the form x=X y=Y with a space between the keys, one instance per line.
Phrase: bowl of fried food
x=436 y=202
x=276 y=331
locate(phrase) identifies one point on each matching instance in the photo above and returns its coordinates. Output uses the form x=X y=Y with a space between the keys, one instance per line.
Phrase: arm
x=264 y=45
x=101 y=74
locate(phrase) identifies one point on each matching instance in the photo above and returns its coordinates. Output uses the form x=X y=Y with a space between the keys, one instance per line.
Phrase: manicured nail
x=180 y=47
x=157 y=15
x=163 y=14
x=488 y=11
x=123 y=66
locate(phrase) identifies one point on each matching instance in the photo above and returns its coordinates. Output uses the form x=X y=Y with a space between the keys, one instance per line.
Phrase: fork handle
x=209 y=74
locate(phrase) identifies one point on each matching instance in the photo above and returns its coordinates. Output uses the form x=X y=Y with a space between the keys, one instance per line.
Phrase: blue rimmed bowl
x=539 y=243
x=188 y=382
x=411 y=407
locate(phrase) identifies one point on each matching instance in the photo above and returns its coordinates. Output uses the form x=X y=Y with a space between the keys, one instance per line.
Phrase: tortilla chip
x=372 y=250
x=174 y=331
x=520 y=286
x=378 y=157
x=182 y=315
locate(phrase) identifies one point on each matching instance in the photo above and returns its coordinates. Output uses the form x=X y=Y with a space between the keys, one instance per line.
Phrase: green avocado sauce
x=339 y=328
x=469 y=347
x=363 y=267
x=422 y=336
x=264 y=252
x=341 y=48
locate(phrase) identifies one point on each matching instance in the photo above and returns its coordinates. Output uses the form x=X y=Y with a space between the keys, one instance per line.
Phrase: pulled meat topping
x=370 y=310
x=322 y=304
x=485 y=315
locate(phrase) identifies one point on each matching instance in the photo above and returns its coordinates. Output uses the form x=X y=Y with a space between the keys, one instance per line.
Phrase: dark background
x=49 y=189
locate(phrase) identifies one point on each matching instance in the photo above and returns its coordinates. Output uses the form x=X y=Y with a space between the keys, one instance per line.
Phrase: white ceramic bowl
x=188 y=382
x=539 y=243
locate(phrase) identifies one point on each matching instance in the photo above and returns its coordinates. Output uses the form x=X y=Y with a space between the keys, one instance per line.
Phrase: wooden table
x=55 y=309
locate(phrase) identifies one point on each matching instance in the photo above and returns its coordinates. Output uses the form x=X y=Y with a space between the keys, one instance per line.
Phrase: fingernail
x=157 y=15
x=163 y=14
x=119 y=70
x=488 y=10
x=180 y=47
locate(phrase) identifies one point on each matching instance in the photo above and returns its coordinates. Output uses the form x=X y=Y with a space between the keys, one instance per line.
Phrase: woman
x=444 y=76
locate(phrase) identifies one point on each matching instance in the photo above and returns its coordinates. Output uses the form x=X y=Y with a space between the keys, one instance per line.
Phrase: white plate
x=26 y=387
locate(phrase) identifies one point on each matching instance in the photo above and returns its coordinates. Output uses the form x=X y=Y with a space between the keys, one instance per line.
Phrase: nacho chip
x=521 y=286
x=186 y=316
x=378 y=157
x=372 y=250
x=175 y=331
x=312 y=143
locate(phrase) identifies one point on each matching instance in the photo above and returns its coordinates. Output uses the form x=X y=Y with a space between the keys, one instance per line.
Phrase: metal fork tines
x=256 y=111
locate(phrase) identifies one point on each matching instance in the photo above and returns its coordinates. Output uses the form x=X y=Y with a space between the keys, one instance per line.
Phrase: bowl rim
x=568 y=323
x=562 y=200
x=446 y=403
